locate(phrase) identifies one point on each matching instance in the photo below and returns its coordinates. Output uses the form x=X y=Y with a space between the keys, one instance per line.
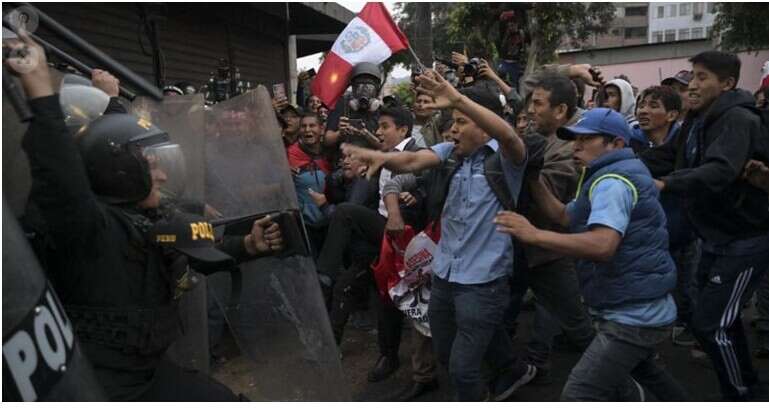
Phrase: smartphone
x=357 y=123
x=311 y=73
x=279 y=91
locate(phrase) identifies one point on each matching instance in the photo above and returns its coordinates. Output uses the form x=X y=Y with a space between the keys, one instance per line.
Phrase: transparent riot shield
x=41 y=357
x=183 y=118
x=273 y=305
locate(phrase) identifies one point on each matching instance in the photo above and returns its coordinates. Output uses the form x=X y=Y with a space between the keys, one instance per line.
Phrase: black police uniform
x=117 y=288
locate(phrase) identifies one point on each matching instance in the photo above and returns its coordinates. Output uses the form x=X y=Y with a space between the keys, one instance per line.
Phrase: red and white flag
x=372 y=37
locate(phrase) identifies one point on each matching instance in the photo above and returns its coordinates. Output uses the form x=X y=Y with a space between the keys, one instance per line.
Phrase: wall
x=192 y=38
x=645 y=65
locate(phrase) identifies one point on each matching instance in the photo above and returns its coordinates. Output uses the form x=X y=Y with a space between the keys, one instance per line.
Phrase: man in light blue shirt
x=481 y=175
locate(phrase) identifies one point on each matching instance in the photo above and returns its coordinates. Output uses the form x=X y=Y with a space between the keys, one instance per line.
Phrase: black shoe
x=416 y=389
x=384 y=367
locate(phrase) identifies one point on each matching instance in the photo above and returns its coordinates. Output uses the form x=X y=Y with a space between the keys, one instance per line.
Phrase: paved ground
x=360 y=353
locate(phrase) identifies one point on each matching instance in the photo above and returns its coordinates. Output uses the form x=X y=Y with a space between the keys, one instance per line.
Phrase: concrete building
x=630 y=27
x=680 y=21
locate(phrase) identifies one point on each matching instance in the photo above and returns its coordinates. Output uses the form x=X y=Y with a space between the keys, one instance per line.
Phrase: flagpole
x=416 y=58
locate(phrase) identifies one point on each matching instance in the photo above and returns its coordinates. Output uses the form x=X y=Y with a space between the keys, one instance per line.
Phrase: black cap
x=682 y=77
x=190 y=235
x=487 y=95
x=289 y=107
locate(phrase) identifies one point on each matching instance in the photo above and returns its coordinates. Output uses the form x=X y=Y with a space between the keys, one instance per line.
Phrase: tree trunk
x=423 y=34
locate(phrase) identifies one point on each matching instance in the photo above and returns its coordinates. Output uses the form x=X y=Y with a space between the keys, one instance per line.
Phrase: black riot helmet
x=113 y=148
x=366 y=81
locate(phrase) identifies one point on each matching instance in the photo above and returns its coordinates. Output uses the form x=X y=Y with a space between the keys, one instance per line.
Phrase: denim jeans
x=618 y=353
x=559 y=309
x=466 y=324
x=686 y=258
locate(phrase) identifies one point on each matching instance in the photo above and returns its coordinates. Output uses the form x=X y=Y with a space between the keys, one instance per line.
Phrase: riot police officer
x=99 y=196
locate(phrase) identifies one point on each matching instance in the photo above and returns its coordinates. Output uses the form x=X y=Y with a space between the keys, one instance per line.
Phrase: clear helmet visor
x=81 y=104
x=168 y=168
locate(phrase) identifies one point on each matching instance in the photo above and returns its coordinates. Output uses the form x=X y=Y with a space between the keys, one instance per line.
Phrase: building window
x=673 y=10
x=698 y=8
x=683 y=34
x=697 y=32
x=635 y=11
x=616 y=32
x=684 y=9
x=656 y=36
x=661 y=11
x=712 y=8
x=635 y=32
x=670 y=35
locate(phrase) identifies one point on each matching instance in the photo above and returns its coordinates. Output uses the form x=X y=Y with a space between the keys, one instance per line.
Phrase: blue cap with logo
x=598 y=121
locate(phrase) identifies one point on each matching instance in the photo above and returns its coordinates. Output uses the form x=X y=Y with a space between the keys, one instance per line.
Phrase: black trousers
x=358 y=231
x=173 y=383
x=724 y=283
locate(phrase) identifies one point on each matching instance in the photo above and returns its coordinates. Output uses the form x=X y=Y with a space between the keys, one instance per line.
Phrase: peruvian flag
x=372 y=37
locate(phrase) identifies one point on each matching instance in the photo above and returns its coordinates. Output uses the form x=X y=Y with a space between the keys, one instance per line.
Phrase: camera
x=472 y=67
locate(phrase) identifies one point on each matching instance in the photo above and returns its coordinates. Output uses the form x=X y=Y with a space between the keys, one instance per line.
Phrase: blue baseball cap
x=598 y=121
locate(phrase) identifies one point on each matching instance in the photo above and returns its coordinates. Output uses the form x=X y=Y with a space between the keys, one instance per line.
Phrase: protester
x=626 y=278
x=467 y=303
x=731 y=217
x=680 y=83
x=658 y=112
x=425 y=132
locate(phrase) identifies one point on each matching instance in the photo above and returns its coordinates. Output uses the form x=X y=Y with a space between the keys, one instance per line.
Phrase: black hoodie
x=721 y=206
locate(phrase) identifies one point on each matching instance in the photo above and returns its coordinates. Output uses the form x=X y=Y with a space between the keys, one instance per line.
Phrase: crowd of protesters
x=634 y=217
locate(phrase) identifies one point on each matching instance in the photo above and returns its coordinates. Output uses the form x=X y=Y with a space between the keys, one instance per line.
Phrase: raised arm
x=446 y=96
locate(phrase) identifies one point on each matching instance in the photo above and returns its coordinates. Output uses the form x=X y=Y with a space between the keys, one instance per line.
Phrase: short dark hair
x=486 y=94
x=310 y=114
x=400 y=116
x=561 y=89
x=670 y=99
x=723 y=64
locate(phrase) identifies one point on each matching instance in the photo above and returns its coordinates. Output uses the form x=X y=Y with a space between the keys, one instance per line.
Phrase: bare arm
x=599 y=244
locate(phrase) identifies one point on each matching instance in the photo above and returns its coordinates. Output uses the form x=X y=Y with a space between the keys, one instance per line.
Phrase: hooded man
x=619 y=95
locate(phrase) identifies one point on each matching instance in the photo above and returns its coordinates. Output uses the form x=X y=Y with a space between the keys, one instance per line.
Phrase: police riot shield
x=42 y=360
x=182 y=117
x=272 y=305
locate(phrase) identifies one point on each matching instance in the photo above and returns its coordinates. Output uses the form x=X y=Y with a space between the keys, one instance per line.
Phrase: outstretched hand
x=434 y=85
x=516 y=225
x=372 y=159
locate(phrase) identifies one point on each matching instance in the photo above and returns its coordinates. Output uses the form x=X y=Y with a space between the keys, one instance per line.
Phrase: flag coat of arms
x=372 y=36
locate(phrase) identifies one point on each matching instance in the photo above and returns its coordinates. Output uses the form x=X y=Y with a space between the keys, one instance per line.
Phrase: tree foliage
x=742 y=26
x=404 y=92
x=475 y=27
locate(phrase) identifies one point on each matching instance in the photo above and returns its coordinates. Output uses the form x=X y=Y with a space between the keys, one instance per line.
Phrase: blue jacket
x=641 y=269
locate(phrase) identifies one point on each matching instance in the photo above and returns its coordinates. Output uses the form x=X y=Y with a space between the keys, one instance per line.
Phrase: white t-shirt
x=385 y=176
